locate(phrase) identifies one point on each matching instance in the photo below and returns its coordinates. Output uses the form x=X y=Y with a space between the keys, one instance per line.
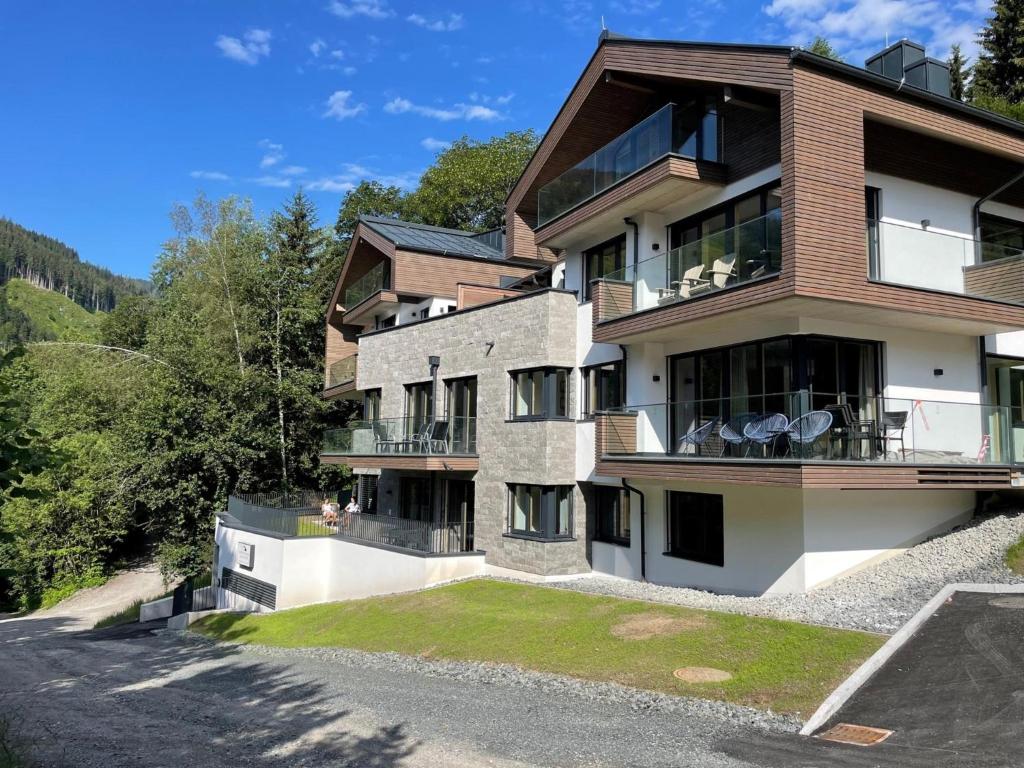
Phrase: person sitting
x=329 y=510
x=352 y=508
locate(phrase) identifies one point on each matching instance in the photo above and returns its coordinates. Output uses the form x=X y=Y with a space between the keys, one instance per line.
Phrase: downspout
x=625 y=374
x=636 y=241
x=643 y=538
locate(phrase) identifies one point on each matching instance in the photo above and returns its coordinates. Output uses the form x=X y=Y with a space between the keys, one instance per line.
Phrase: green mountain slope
x=28 y=313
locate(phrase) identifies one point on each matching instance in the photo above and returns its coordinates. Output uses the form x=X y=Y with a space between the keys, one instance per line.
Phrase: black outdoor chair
x=435 y=438
x=382 y=442
x=849 y=431
x=891 y=431
x=731 y=431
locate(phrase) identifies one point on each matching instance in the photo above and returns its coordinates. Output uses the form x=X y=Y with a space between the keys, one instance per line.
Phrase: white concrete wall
x=846 y=531
x=324 y=569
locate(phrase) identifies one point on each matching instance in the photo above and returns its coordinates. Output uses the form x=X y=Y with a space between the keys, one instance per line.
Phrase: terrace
x=405 y=443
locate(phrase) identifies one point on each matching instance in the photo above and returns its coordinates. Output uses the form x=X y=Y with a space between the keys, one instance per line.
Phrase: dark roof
x=422 y=237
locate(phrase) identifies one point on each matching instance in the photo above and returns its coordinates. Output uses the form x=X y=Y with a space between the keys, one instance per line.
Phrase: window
x=695 y=527
x=602 y=388
x=371 y=405
x=366 y=493
x=461 y=399
x=419 y=405
x=611 y=511
x=424 y=313
x=603 y=260
x=540 y=393
x=540 y=511
x=415 y=498
x=1000 y=237
x=387 y=322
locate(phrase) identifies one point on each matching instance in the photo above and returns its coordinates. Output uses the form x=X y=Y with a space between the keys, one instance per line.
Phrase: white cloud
x=317 y=47
x=254 y=45
x=210 y=175
x=273 y=153
x=340 y=108
x=353 y=173
x=434 y=145
x=271 y=181
x=349 y=71
x=400 y=106
x=337 y=185
x=453 y=22
x=859 y=28
x=373 y=9
x=293 y=170
x=636 y=7
x=337 y=54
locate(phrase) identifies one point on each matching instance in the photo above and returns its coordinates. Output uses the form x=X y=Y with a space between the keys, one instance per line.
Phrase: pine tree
x=999 y=72
x=822 y=47
x=959 y=73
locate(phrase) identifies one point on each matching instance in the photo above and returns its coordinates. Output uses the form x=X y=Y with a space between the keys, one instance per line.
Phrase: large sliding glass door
x=462 y=414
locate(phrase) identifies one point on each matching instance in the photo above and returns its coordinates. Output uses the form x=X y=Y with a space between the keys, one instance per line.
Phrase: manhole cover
x=859 y=735
x=1008 y=602
x=702 y=675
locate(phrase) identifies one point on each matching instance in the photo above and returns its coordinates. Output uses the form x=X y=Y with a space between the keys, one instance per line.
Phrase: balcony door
x=459 y=509
x=461 y=404
x=415 y=498
x=419 y=405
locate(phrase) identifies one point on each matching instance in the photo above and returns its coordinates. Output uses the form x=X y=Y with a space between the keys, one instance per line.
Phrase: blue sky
x=112 y=112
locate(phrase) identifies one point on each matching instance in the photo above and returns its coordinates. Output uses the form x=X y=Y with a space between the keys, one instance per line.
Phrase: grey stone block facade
x=487 y=342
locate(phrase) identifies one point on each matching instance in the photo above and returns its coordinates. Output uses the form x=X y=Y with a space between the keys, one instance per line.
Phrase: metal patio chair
x=731 y=432
x=697 y=437
x=435 y=438
x=382 y=442
x=805 y=430
x=891 y=428
x=765 y=430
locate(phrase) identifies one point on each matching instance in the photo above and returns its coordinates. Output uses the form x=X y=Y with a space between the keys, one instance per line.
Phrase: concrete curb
x=841 y=695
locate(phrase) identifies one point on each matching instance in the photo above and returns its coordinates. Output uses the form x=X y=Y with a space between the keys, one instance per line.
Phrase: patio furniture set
x=722 y=272
x=431 y=437
x=775 y=435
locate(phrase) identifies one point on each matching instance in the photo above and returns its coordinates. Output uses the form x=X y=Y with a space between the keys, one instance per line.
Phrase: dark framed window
x=540 y=511
x=1000 y=237
x=873 y=212
x=602 y=260
x=540 y=393
x=695 y=527
x=371 y=404
x=461 y=412
x=366 y=493
x=419 y=405
x=387 y=322
x=611 y=514
x=603 y=387
x=416 y=498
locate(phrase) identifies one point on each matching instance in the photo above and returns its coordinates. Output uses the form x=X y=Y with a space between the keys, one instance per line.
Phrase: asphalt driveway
x=953 y=695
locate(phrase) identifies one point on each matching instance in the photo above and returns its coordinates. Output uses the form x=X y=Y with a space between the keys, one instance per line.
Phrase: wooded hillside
x=48 y=263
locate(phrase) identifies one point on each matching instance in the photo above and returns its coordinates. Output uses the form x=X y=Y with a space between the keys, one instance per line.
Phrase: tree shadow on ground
x=126 y=697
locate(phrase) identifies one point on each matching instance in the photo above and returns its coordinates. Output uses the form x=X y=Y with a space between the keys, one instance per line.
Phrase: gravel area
x=879 y=598
x=502 y=675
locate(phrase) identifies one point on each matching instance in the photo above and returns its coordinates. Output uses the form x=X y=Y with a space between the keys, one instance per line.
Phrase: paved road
x=953 y=695
x=130 y=698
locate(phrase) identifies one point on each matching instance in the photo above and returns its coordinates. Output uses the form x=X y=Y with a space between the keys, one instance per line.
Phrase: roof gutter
x=982 y=200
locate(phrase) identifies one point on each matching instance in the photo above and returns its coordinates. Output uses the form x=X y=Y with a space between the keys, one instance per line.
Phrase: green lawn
x=52 y=314
x=780 y=665
x=1015 y=557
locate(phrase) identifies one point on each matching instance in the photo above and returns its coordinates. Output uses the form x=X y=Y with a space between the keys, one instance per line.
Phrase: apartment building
x=753 y=322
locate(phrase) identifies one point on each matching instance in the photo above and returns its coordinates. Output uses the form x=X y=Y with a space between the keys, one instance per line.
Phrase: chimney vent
x=906 y=61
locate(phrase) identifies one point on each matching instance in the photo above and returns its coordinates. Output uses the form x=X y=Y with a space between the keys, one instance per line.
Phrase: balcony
x=723 y=260
x=690 y=132
x=808 y=438
x=342 y=372
x=374 y=281
x=907 y=255
x=404 y=443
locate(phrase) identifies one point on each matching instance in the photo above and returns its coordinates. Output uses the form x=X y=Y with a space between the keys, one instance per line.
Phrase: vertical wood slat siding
x=475 y=295
x=614 y=433
x=424 y=274
x=1002 y=280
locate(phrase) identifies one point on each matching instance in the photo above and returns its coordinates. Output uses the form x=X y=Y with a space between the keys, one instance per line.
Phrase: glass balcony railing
x=405 y=435
x=372 y=282
x=690 y=131
x=923 y=258
x=342 y=371
x=744 y=253
x=808 y=425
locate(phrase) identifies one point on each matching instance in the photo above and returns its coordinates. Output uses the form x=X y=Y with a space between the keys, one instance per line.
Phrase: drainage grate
x=860 y=735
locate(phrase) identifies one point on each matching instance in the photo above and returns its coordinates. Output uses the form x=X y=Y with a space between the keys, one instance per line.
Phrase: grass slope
x=1015 y=557
x=52 y=315
x=780 y=665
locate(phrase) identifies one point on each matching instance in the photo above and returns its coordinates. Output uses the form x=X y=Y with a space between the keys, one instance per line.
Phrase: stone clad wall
x=536 y=330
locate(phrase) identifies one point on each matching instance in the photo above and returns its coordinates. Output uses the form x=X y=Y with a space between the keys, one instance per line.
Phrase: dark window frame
x=603 y=531
x=710 y=551
x=549 y=498
x=990 y=219
x=727 y=207
x=371 y=395
x=620 y=258
x=586 y=372
x=549 y=394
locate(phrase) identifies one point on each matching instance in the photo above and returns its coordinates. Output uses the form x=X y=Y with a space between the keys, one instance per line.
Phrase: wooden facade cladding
x=342 y=341
x=846 y=476
x=614 y=433
x=470 y=295
x=411 y=461
x=611 y=299
x=684 y=174
x=1002 y=279
x=428 y=274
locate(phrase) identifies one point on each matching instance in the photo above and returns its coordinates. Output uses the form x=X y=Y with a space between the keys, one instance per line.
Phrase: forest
x=125 y=446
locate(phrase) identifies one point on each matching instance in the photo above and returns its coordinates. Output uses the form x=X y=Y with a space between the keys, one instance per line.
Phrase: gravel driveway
x=879 y=598
x=127 y=697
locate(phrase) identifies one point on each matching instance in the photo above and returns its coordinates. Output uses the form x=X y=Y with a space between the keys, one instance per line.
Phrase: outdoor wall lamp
x=925 y=223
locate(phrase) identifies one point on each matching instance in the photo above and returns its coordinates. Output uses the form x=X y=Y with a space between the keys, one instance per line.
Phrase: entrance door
x=459 y=510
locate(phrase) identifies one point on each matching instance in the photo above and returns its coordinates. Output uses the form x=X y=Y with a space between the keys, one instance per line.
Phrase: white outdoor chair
x=692 y=282
x=723 y=270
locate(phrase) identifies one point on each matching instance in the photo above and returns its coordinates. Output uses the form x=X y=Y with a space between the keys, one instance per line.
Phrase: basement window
x=695 y=527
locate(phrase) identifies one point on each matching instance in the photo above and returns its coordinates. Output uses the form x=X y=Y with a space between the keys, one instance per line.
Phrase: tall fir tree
x=959 y=73
x=822 y=47
x=999 y=71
